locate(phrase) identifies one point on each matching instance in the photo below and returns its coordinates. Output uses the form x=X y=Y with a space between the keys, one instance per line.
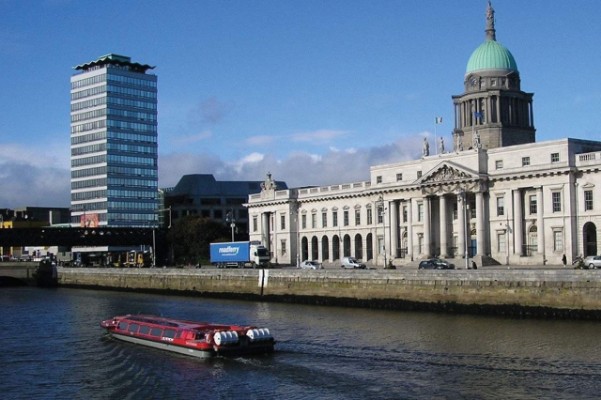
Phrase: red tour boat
x=196 y=339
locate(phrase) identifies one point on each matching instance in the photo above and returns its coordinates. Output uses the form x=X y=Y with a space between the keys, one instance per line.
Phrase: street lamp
x=381 y=210
x=229 y=218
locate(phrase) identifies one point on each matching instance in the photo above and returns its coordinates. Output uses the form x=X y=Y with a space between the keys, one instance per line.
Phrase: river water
x=53 y=348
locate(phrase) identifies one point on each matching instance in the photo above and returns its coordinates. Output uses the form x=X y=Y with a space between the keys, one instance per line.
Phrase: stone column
x=394 y=228
x=540 y=222
x=480 y=230
x=444 y=246
x=461 y=207
x=410 y=229
x=426 y=221
x=265 y=230
x=518 y=234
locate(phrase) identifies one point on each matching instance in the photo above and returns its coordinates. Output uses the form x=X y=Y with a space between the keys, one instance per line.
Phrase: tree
x=190 y=237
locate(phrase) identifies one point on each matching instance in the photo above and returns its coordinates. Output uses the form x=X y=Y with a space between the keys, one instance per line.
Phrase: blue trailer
x=238 y=254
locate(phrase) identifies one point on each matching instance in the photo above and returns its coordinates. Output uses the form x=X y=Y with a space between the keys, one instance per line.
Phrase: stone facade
x=499 y=197
x=525 y=204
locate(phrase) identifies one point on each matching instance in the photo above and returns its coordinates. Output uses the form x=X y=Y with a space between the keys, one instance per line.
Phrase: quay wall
x=559 y=292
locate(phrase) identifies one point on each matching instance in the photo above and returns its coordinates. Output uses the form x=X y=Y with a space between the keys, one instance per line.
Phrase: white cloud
x=301 y=168
x=31 y=177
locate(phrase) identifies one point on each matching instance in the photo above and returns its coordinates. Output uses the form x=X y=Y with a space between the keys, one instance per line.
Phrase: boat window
x=144 y=330
x=170 y=333
x=133 y=328
x=123 y=326
x=156 y=332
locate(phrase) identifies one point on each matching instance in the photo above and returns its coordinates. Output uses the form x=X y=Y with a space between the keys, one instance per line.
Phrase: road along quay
x=546 y=293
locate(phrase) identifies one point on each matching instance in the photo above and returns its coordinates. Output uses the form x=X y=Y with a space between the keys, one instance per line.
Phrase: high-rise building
x=114 y=169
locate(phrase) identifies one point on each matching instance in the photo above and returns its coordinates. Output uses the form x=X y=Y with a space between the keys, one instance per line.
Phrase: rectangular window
x=378 y=179
x=554 y=157
x=499 y=164
x=282 y=222
x=304 y=221
x=420 y=212
x=346 y=218
x=380 y=214
x=399 y=177
x=556 y=201
x=334 y=218
x=533 y=204
x=255 y=224
x=557 y=240
x=324 y=219
x=501 y=242
x=283 y=247
x=588 y=200
x=369 y=217
x=419 y=174
x=357 y=217
x=313 y=221
x=405 y=214
x=525 y=161
x=500 y=206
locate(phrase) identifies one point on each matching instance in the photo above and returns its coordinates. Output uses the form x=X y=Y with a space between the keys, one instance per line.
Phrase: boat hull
x=195 y=339
x=165 y=346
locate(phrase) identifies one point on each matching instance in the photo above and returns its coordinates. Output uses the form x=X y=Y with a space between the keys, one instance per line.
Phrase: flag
x=438 y=120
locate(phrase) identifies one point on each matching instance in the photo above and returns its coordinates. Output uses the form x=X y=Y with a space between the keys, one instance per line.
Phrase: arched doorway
x=314 y=248
x=346 y=246
x=589 y=235
x=358 y=247
x=369 y=249
x=335 y=248
x=325 y=248
x=304 y=249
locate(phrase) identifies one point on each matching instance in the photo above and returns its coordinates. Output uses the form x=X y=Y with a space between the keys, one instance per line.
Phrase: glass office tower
x=114 y=169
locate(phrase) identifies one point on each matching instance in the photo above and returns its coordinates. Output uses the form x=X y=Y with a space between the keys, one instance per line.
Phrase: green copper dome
x=491 y=55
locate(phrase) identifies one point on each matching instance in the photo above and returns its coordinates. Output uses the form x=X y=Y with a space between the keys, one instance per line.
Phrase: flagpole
x=437 y=121
x=435 y=137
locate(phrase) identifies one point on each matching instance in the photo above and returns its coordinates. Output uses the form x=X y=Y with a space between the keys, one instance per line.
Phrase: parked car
x=592 y=262
x=352 y=263
x=308 y=264
x=435 y=263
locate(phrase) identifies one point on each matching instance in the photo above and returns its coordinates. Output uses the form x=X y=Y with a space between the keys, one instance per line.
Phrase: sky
x=312 y=91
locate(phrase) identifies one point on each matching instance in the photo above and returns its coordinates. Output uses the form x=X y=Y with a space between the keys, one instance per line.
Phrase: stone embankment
x=554 y=293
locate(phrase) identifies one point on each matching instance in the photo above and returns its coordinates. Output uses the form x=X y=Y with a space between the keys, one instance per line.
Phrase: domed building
x=493 y=111
x=499 y=197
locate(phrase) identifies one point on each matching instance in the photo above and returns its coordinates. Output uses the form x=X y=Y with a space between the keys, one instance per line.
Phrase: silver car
x=307 y=264
x=592 y=262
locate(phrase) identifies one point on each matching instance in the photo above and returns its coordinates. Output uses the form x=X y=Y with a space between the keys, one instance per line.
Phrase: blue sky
x=313 y=91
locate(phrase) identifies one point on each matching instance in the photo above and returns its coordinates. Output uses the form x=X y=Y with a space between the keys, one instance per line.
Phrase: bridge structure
x=82 y=237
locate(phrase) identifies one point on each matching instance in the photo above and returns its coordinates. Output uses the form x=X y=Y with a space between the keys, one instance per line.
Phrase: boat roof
x=173 y=323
